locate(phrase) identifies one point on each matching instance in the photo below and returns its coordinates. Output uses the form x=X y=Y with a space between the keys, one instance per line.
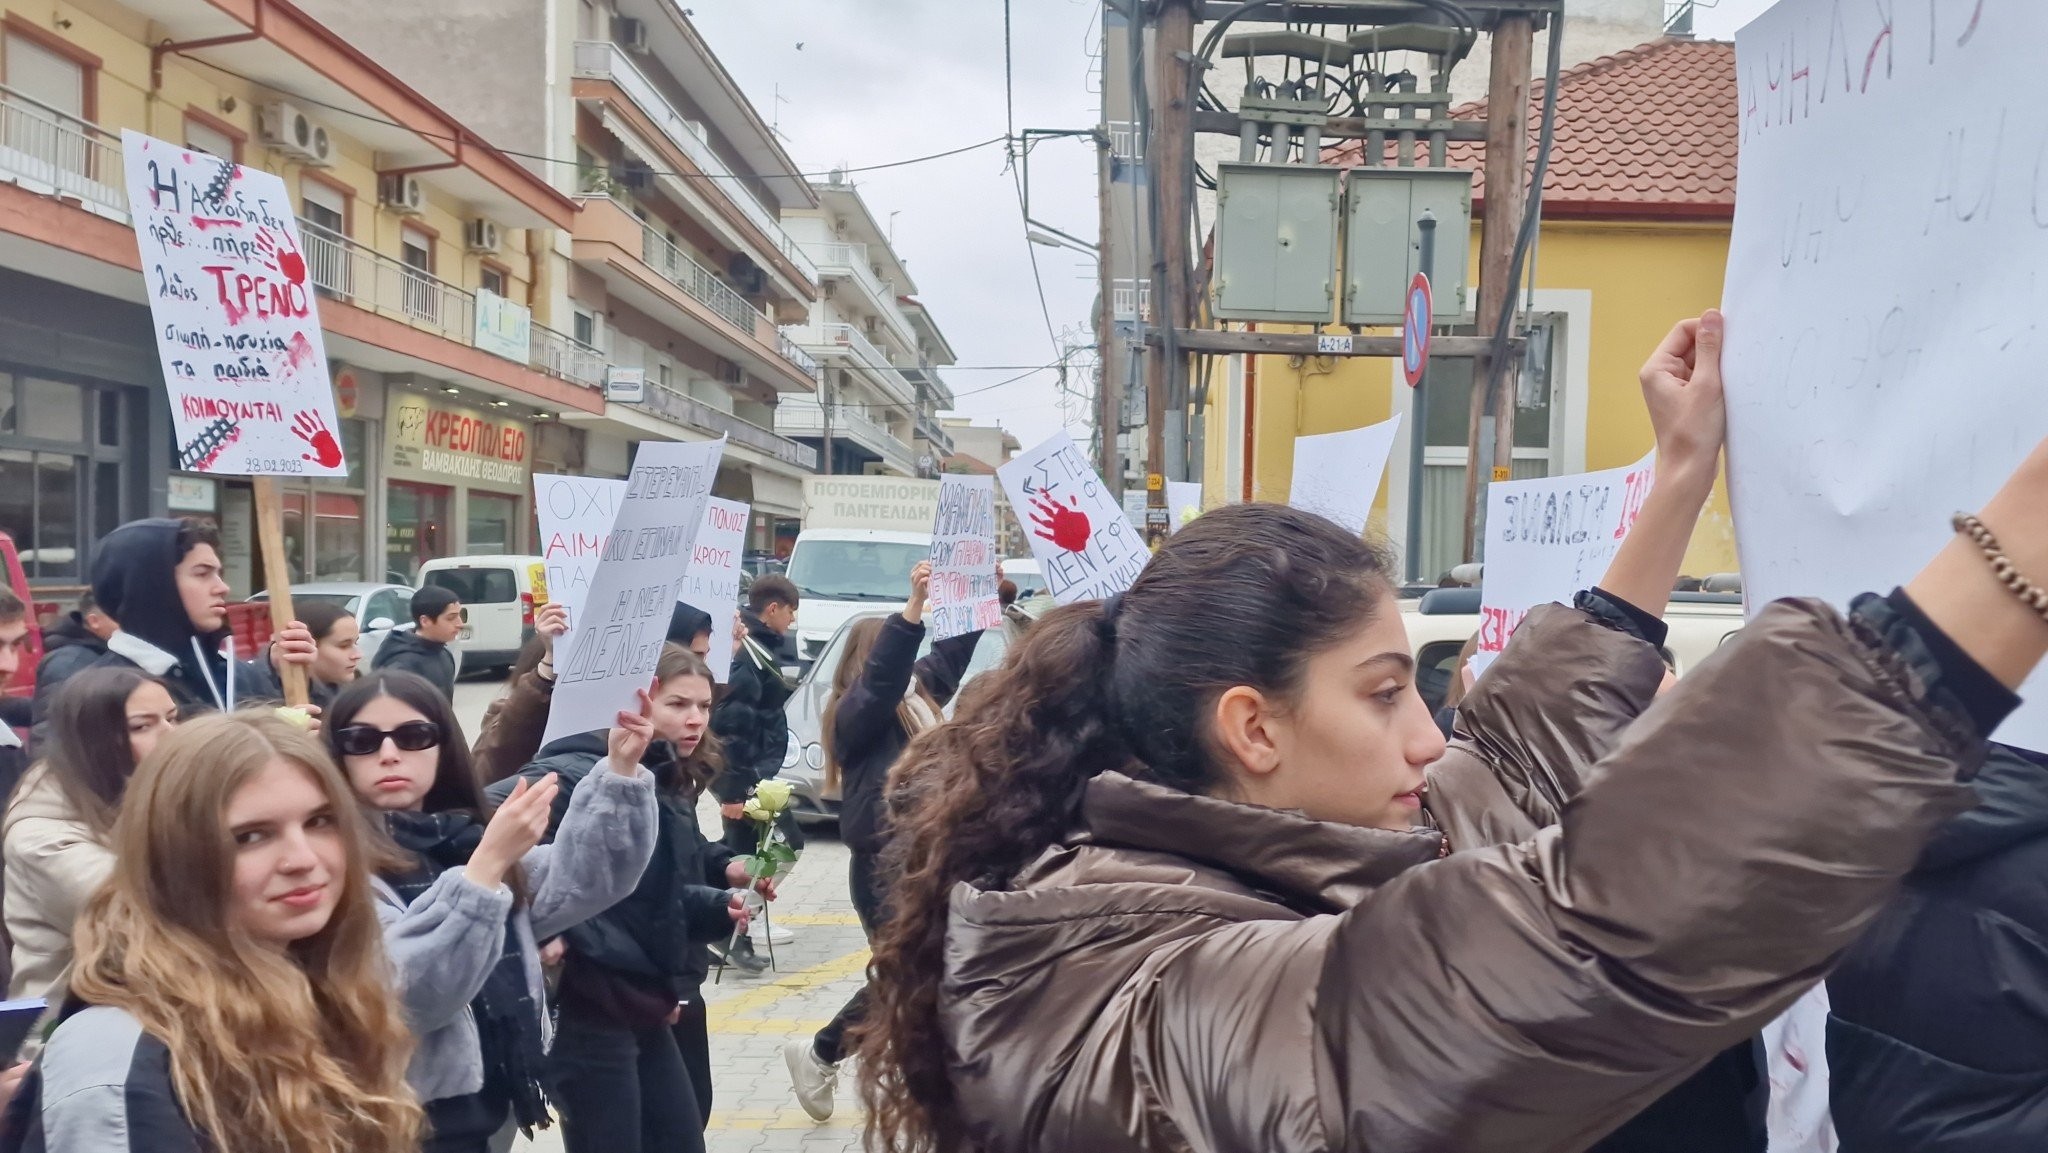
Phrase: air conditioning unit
x=481 y=235
x=283 y=127
x=631 y=34
x=404 y=195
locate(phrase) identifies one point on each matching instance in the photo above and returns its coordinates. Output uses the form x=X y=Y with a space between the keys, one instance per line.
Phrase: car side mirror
x=382 y=624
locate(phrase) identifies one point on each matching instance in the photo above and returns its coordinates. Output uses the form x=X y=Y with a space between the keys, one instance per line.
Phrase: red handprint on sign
x=287 y=260
x=1063 y=526
x=309 y=427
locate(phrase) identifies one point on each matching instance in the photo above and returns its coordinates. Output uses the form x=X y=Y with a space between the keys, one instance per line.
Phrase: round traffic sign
x=1416 y=322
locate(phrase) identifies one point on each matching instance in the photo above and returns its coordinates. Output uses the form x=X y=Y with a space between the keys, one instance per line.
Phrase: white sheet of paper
x=575 y=515
x=964 y=596
x=1338 y=474
x=1549 y=539
x=611 y=653
x=1884 y=310
x=236 y=316
x=1085 y=545
x=712 y=582
x=1183 y=497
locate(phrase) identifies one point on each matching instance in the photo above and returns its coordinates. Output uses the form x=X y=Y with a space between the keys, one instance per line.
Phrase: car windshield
x=343 y=601
x=854 y=570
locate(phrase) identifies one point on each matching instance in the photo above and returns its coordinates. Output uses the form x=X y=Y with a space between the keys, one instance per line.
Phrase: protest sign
x=1884 y=333
x=1084 y=544
x=963 y=591
x=1338 y=474
x=237 y=323
x=575 y=515
x=712 y=582
x=611 y=652
x=1547 y=539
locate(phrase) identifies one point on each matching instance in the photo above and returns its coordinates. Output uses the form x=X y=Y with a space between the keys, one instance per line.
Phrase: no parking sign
x=1415 y=325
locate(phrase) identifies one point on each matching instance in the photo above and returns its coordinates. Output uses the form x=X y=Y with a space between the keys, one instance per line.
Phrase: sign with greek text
x=1084 y=544
x=712 y=582
x=1548 y=539
x=963 y=595
x=1884 y=315
x=451 y=442
x=1338 y=474
x=237 y=324
x=576 y=515
x=611 y=652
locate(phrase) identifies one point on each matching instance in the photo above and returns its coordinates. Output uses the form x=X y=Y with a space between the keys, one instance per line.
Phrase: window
x=201 y=136
x=585 y=329
x=478 y=586
x=665 y=375
x=52 y=410
x=422 y=296
x=492 y=280
x=49 y=125
x=493 y=523
x=386 y=606
x=326 y=233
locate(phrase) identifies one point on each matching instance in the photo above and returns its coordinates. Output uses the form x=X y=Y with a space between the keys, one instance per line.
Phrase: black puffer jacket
x=867 y=732
x=749 y=717
x=409 y=652
x=657 y=934
x=1938 y=1042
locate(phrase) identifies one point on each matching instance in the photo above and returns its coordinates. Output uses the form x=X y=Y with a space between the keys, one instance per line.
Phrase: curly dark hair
x=980 y=798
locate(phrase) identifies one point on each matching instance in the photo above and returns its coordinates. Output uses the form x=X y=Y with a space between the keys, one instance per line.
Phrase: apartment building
x=880 y=350
x=983 y=449
x=429 y=248
x=677 y=266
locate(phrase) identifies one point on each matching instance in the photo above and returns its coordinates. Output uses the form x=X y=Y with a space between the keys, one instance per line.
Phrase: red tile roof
x=1652 y=131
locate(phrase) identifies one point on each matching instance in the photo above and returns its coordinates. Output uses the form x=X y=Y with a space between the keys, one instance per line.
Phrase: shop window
x=493 y=523
x=106 y=499
x=39 y=509
x=52 y=410
x=337 y=536
x=110 y=418
x=416 y=529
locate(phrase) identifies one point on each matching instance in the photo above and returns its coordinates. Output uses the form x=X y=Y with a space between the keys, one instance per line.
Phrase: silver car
x=379 y=609
x=803 y=765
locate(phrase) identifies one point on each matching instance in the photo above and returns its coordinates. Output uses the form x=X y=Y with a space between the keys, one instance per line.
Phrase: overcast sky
x=879 y=81
x=863 y=82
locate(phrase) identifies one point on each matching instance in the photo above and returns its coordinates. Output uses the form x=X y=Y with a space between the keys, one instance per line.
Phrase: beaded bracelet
x=2032 y=595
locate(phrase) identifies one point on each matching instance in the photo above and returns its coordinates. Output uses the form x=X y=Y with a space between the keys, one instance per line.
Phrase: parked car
x=379 y=609
x=497 y=599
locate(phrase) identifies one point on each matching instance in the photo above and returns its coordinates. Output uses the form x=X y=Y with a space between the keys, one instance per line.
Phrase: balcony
x=853 y=262
x=55 y=154
x=801 y=416
x=844 y=340
x=562 y=356
x=603 y=60
x=693 y=413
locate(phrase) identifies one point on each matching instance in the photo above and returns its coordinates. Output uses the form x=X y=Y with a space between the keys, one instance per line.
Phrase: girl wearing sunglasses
x=465 y=894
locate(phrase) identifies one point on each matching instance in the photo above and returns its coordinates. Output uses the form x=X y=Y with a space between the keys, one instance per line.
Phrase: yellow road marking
x=763 y=996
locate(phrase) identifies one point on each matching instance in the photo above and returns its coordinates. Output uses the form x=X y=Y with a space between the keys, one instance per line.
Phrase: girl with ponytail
x=1196 y=870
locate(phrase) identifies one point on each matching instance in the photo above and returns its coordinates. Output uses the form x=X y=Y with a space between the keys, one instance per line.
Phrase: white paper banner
x=712 y=582
x=1550 y=538
x=611 y=653
x=1085 y=546
x=1183 y=504
x=963 y=592
x=1338 y=474
x=575 y=515
x=1884 y=312
x=236 y=318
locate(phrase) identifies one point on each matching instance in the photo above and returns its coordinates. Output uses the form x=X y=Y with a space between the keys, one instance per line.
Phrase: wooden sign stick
x=277 y=580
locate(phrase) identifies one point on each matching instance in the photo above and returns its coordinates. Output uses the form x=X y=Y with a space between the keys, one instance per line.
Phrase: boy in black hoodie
x=437 y=622
x=76 y=641
x=161 y=580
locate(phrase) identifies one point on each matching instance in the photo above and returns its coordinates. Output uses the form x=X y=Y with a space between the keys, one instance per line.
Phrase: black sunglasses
x=362 y=740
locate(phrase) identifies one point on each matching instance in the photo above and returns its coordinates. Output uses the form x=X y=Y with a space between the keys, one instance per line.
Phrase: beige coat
x=53 y=865
x=1187 y=973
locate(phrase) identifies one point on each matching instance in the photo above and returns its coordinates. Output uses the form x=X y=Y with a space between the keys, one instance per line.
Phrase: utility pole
x=825 y=413
x=1491 y=445
x=1109 y=393
x=1168 y=156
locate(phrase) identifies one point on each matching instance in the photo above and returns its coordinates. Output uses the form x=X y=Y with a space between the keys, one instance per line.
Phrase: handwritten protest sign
x=575 y=515
x=963 y=596
x=237 y=323
x=1183 y=504
x=1084 y=544
x=611 y=652
x=712 y=582
x=1884 y=315
x=1338 y=474
x=1549 y=538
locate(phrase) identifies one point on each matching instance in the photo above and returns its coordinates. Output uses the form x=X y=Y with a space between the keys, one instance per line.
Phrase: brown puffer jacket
x=1190 y=973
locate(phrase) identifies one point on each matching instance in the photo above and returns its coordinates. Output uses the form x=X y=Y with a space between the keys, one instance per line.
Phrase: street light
x=1050 y=239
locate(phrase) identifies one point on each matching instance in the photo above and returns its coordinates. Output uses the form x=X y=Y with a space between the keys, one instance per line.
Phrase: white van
x=841 y=572
x=497 y=602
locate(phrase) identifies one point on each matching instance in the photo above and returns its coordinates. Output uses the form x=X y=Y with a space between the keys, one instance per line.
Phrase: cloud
x=879 y=81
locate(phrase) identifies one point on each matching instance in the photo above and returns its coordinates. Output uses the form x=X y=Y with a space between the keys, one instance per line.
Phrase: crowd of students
x=1155 y=884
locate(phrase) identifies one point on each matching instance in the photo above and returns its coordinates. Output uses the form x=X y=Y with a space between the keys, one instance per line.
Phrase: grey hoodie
x=445 y=944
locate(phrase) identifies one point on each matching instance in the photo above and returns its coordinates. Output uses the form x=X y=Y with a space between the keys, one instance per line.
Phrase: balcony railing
x=562 y=356
x=55 y=153
x=682 y=270
x=794 y=353
x=804 y=417
x=856 y=259
x=693 y=413
x=879 y=370
x=388 y=286
x=603 y=60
